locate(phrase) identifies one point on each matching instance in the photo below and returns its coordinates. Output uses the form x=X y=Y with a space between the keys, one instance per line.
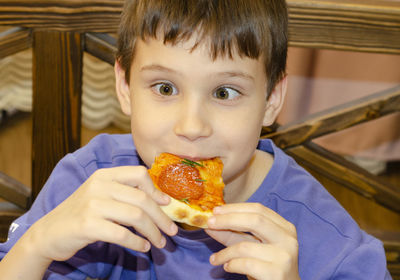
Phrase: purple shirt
x=331 y=245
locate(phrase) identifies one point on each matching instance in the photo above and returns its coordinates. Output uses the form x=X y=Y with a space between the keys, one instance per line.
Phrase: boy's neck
x=242 y=188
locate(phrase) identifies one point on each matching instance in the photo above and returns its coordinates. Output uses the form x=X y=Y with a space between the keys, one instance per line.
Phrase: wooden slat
x=394 y=270
x=337 y=118
x=357 y=25
x=62 y=15
x=392 y=250
x=347 y=174
x=14 y=191
x=14 y=40
x=57 y=89
x=391 y=242
x=102 y=46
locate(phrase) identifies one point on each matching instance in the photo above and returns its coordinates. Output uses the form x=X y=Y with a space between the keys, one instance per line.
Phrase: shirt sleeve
x=66 y=177
x=368 y=261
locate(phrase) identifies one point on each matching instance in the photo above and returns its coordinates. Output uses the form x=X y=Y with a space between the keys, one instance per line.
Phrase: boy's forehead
x=152 y=47
x=193 y=43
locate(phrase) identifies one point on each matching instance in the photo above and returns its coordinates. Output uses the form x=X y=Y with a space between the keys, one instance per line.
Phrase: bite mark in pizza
x=195 y=187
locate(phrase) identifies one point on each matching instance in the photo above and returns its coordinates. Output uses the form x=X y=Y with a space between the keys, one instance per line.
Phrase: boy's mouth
x=194 y=158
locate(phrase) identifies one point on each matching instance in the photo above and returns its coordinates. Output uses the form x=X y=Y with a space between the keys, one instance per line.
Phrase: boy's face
x=182 y=102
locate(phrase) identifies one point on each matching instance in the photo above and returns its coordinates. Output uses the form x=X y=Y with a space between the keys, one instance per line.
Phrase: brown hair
x=252 y=27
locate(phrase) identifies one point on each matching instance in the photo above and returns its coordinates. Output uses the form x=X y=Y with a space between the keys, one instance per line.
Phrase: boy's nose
x=192 y=123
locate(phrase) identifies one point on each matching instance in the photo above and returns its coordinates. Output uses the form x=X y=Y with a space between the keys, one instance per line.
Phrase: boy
x=199 y=79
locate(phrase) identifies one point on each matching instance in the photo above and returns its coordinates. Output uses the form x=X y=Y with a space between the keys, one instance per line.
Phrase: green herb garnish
x=191 y=163
x=185 y=200
x=200 y=180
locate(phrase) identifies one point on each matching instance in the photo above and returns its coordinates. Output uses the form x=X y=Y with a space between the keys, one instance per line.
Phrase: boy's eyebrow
x=157 y=67
x=229 y=74
x=240 y=74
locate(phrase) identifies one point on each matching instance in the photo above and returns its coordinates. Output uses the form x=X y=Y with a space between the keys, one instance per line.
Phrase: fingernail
x=226 y=268
x=163 y=241
x=174 y=229
x=146 y=246
x=217 y=210
x=212 y=259
x=165 y=198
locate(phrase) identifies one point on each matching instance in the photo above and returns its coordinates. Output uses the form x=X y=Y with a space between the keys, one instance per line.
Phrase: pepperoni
x=181 y=181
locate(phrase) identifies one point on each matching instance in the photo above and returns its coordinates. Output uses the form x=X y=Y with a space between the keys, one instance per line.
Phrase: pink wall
x=319 y=79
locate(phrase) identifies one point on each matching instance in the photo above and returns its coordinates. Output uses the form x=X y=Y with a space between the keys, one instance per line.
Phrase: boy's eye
x=225 y=93
x=165 y=89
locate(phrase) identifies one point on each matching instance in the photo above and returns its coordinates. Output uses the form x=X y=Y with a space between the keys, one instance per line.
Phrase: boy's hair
x=250 y=27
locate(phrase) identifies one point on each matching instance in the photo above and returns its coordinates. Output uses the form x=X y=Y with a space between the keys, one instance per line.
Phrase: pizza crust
x=180 y=212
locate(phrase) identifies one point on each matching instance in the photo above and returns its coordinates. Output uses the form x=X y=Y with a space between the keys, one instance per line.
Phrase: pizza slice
x=195 y=187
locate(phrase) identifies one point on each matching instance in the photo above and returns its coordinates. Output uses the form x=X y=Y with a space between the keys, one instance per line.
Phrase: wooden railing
x=296 y=138
x=59 y=31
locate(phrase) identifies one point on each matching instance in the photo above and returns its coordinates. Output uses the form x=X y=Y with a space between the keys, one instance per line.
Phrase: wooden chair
x=60 y=31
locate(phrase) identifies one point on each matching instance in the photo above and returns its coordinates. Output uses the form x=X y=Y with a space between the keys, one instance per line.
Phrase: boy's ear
x=275 y=102
x=122 y=89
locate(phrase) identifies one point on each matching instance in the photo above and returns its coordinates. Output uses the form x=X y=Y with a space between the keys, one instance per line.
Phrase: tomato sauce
x=199 y=184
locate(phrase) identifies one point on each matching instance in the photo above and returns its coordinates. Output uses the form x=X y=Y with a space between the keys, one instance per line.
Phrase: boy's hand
x=101 y=210
x=260 y=243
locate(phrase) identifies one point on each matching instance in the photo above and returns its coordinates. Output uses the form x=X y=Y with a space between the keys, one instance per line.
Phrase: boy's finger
x=264 y=252
x=262 y=227
x=144 y=201
x=135 y=217
x=253 y=268
x=229 y=237
x=256 y=208
x=138 y=177
x=117 y=234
